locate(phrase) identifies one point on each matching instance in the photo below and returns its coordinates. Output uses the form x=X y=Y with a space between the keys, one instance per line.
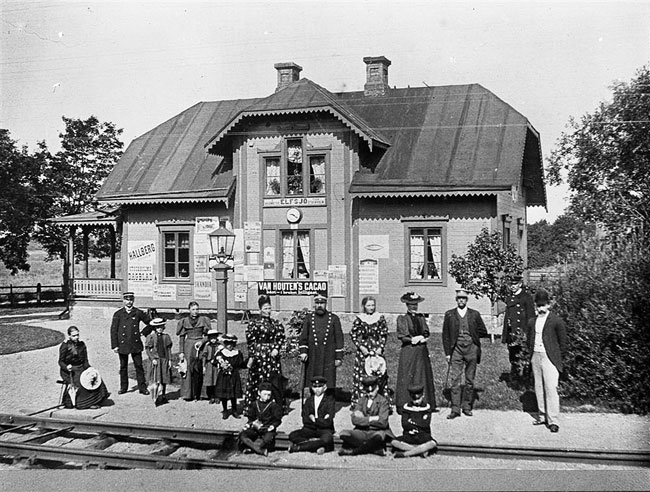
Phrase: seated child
x=317 y=433
x=228 y=386
x=264 y=418
x=159 y=350
x=370 y=420
x=416 y=423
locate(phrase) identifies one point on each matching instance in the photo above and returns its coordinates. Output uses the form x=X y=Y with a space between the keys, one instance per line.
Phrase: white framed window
x=296 y=254
x=426 y=251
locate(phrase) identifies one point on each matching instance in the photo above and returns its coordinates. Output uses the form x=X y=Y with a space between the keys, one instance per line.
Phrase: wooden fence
x=12 y=295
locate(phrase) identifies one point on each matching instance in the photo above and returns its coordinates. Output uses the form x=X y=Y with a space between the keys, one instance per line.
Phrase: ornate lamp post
x=222 y=242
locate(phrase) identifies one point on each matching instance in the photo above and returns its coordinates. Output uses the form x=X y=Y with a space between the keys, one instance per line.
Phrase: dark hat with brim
x=320 y=297
x=318 y=381
x=416 y=389
x=128 y=295
x=516 y=277
x=369 y=382
x=230 y=338
x=411 y=298
x=542 y=298
x=157 y=322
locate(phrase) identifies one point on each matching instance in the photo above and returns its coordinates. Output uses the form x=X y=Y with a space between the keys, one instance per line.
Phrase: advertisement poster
x=164 y=292
x=291 y=288
x=337 y=280
x=373 y=247
x=184 y=290
x=203 y=286
x=241 y=292
x=141 y=265
x=269 y=263
x=254 y=273
x=252 y=237
x=200 y=263
x=368 y=277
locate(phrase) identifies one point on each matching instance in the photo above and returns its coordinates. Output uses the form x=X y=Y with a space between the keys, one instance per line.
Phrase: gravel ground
x=29 y=385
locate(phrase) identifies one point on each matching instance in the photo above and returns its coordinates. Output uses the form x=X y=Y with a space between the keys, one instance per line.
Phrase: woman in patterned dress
x=369 y=333
x=265 y=338
x=191 y=331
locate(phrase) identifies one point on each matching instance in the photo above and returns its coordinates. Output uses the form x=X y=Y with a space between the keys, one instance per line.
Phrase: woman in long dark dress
x=414 y=363
x=265 y=338
x=73 y=361
x=369 y=333
x=191 y=331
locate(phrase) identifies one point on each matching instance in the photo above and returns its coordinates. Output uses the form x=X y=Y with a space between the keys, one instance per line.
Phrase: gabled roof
x=169 y=164
x=446 y=139
x=104 y=217
x=304 y=96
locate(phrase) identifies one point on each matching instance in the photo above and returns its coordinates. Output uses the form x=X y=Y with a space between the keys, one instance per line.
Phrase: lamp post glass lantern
x=222 y=242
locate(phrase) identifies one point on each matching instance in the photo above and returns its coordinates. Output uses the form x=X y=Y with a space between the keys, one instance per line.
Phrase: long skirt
x=84 y=398
x=414 y=368
x=192 y=382
x=160 y=373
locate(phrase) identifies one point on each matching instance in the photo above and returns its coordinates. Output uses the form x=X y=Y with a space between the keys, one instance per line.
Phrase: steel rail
x=214 y=437
x=104 y=459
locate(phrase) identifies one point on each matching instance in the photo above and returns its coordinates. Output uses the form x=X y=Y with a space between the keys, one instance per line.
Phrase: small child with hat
x=416 y=425
x=211 y=368
x=159 y=350
x=228 y=385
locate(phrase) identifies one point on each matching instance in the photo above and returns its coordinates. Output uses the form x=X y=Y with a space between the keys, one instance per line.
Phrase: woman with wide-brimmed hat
x=87 y=392
x=369 y=333
x=414 y=365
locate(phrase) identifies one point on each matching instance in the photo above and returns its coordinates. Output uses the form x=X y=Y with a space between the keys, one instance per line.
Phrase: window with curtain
x=176 y=255
x=296 y=251
x=294 y=167
x=273 y=179
x=317 y=174
x=426 y=250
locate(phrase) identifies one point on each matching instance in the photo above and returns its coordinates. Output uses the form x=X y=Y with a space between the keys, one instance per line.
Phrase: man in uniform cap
x=416 y=424
x=317 y=433
x=519 y=309
x=370 y=420
x=321 y=342
x=462 y=330
x=126 y=339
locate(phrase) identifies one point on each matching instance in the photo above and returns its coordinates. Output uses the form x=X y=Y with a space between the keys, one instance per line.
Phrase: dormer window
x=295 y=171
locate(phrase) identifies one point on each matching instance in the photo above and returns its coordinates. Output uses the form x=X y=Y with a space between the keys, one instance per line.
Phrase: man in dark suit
x=519 y=309
x=547 y=344
x=126 y=339
x=462 y=331
x=317 y=433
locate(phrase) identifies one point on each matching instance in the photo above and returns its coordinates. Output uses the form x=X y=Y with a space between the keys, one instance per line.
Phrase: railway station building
x=364 y=193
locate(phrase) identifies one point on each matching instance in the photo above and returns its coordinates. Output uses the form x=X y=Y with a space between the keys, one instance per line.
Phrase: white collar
x=462 y=312
x=369 y=318
x=229 y=353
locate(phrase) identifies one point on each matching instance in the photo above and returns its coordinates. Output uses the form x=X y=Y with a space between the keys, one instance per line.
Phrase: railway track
x=53 y=442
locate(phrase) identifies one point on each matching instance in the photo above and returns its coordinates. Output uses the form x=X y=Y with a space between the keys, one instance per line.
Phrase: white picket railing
x=107 y=288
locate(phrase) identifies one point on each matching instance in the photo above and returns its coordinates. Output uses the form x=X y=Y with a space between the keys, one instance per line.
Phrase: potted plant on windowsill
x=273 y=187
x=317 y=185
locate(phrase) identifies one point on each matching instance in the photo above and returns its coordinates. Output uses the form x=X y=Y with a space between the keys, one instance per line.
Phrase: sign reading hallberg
x=291 y=288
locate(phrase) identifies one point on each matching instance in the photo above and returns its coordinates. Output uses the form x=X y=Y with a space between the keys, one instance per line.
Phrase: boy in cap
x=416 y=424
x=264 y=418
x=547 y=344
x=317 y=433
x=370 y=420
x=462 y=330
x=126 y=339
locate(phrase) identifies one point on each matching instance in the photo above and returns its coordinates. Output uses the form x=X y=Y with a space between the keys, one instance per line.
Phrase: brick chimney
x=287 y=73
x=376 y=75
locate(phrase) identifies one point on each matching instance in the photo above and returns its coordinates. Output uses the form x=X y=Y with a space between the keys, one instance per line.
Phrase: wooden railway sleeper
x=16 y=428
x=40 y=438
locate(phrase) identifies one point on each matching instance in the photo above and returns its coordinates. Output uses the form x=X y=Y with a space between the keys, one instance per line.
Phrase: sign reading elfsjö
x=292 y=288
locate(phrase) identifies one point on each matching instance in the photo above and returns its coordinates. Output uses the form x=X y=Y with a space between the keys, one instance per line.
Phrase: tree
x=89 y=150
x=20 y=203
x=487 y=268
x=550 y=243
x=605 y=157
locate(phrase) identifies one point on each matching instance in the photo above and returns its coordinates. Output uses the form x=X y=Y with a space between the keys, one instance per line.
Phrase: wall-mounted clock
x=294 y=215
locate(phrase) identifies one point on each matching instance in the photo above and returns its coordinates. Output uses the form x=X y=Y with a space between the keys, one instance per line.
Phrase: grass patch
x=22 y=338
x=492 y=391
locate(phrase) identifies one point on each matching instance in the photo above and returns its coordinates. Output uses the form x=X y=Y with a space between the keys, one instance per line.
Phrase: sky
x=137 y=64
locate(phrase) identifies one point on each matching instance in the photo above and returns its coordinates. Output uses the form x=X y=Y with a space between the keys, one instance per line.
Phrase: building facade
x=366 y=193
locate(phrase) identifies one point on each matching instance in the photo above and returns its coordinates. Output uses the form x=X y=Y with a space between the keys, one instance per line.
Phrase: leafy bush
x=602 y=298
x=292 y=332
